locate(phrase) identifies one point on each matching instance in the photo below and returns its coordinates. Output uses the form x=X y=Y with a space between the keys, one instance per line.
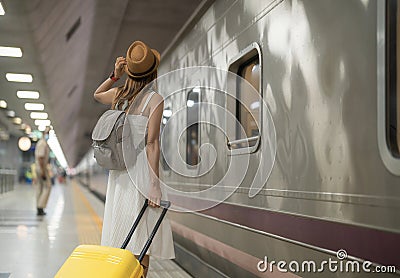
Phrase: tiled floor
x=36 y=247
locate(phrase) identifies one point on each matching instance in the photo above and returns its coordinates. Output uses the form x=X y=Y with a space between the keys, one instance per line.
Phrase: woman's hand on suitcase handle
x=154 y=195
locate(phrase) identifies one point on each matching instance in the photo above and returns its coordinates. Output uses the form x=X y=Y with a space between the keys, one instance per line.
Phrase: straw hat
x=141 y=60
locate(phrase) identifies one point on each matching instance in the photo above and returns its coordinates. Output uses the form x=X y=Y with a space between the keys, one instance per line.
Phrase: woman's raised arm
x=104 y=93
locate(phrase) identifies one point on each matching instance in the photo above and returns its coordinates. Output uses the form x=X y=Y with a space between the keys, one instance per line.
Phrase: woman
x=123 y=199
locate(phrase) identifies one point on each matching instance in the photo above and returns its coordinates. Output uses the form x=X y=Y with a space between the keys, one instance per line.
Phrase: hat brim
x=154 y=68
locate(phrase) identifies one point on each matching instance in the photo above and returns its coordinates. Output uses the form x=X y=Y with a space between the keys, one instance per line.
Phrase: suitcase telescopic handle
x=165 y=205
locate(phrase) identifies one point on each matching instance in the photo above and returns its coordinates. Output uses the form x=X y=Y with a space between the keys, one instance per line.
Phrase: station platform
x=36 y=246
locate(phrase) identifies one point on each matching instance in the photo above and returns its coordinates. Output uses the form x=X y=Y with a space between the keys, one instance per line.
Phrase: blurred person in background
x=43 y=182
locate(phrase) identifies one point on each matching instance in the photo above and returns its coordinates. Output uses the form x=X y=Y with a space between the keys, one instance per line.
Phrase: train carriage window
x=192 y=131
x=247 y=67
x=393 y=77
x=251 y=72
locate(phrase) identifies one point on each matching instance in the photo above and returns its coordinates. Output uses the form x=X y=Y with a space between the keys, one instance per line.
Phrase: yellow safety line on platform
x=93 y=213
x=89 y=224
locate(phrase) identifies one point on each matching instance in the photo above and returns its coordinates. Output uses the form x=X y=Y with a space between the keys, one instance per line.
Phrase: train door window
x=248 y=67
x=393 y=77
x=192 y=131
x=167 y=113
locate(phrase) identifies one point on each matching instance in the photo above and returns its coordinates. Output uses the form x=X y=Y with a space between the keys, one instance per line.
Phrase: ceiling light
x=17 y=121
x=19 y=77
x=28 y=129
x=24 y=143
x=255 y=105
x=56 y=149
x=39 y=115
x=4 y=135
x=10 y=51
x=10 y=113
x=3 y=104
x=189 y=103
x=34 y=106
x=42 y=122
x=2 y=12
x=167 y=113
x=42 y=128
x=28 y=94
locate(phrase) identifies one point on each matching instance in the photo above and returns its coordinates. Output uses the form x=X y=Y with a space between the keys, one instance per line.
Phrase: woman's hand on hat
x=120 y=63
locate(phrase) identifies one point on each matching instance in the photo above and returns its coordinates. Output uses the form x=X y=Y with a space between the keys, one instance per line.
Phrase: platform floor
x=36 y=246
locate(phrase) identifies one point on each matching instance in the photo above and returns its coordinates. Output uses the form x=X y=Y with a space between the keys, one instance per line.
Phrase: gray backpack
x=107 y=136
x=107 y=140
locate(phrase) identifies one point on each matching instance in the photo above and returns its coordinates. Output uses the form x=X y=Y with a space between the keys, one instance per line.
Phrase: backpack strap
x=124 y=106
x=147 y=102
x=126 y=103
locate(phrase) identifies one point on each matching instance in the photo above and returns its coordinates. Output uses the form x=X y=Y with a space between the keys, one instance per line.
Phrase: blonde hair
x=131 y=89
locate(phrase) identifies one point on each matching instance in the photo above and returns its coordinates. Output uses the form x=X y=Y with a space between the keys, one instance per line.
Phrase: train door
x=388 y=83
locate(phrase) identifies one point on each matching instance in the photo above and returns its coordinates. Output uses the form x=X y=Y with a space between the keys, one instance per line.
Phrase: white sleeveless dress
x=124 y=201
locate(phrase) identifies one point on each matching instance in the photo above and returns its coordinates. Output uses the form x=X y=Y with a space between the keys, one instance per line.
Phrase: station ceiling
x=70 y=47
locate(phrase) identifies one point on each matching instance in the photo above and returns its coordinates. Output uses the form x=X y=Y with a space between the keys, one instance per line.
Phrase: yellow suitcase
x=95 y=261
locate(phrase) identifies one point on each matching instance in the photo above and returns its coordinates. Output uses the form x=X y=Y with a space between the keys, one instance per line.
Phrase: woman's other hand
x=154 y=196
x=119 y=67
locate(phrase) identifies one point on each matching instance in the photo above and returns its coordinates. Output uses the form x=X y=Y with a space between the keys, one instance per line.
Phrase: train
x=327 y=71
